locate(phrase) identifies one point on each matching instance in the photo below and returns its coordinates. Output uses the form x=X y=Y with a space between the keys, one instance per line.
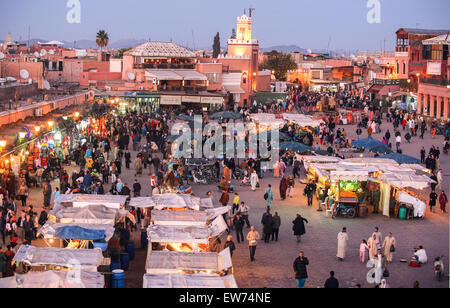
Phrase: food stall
x=189 y=281
x=49 y=258
x=52 y=279
x=186 y=218
x=176 y=262
x=83 y=200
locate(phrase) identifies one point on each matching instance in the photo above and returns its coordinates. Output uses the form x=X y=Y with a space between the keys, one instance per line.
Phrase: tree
x=102 y=40
x=280 y=63
x=120 y=52
x=216 y=46
x=233 y=34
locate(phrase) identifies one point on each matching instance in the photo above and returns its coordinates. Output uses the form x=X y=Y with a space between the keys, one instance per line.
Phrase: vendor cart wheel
x=351 y=213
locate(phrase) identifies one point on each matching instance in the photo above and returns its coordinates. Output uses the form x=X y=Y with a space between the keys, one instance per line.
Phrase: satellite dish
x=24 y=74
x=2 y=55
x=36 y=54
x=131 y=76
x=309 y=51
x=43 y=52
x=51 y=51
x=46 y=85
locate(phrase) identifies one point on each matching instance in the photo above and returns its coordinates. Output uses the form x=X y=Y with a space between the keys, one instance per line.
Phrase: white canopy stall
x=176 y=262
x=54 y=279
x=82 y=259
x=418 y=205
x=83 y=200
x=91 y=214
x=301 y=119
x=188 y=281
x=186 y=218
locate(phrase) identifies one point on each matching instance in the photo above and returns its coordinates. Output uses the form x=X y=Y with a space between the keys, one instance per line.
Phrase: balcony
x=163 y=66
x=435 y=81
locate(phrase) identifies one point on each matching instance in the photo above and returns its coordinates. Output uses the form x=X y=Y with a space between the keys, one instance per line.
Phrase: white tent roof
x=301 y=119
x=50 y=256
x=162 y=201
x=163 y=75
x=349 y=175
x=52 y=43
x=92 y=214
x=189 y=281
x=407 y=180
x=233 y=88
x=366 y=161
x=186 y=234
x=186 y=218
x=191 y=75
x=167 y=262
x=54 y=279
x=82 y=200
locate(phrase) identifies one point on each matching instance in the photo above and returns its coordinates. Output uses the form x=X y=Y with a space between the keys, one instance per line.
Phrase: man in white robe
x=342 y=244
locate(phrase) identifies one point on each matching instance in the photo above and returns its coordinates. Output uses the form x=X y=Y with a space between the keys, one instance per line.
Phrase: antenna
x=29 y=36
x=193 y=38
x=250 y=10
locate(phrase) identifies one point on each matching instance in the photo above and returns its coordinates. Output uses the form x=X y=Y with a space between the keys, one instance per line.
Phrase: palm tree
x=102 y=40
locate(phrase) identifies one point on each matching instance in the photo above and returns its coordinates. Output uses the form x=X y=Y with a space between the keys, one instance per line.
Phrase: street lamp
x=77 y=114
x=37 y=129
x=50 y=124
x=2 y=144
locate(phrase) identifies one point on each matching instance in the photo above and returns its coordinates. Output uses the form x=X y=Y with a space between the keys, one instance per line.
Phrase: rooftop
x=424 y=31
x=161 y=49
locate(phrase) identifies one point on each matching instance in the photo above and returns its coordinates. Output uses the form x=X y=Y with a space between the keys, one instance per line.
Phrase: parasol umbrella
x=295 y=146
x=226 y=115
x=366 y=143
x=402 y=158
x=184 y=117
x=382 y=149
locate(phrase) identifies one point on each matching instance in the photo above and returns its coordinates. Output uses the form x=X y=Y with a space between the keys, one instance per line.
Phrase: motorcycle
x=438 y=267
x=344 y=211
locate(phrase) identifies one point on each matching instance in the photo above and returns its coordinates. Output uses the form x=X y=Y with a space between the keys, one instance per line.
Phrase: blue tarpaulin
x=79 y=233
x=367 y=143
x=401 y=158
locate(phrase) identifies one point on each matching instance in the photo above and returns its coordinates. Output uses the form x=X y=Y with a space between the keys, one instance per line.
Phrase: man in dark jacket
x=136 y=188
x=301 y=274
x=28 y=227
x=229 y=243
x=238 y=223
x=125 y=191
x=331 y=283
x=299 y=227
x=267 y=221
x=276 y=222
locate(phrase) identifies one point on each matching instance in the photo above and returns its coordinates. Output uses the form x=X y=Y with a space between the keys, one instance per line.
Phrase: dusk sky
x=307 y=24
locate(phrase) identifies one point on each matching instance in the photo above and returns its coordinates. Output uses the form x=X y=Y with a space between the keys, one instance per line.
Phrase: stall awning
x=233 y=89
x=191 y=75
x=163 y=75
x=375 y=88
x=349 y=175
x=188 y=281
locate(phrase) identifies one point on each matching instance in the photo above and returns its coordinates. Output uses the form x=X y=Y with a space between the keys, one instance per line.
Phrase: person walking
x=276 y=223
x=2 y=263
x=224 y=198
x=230 y=244
x=267 y=222
x=299 y=227
x=309 y=189
x=243 y=211
x=235 y=203
x=238 y=224
x=252 y=238
x=301 y=273
x=342 y=238
x=268 y=196
x=388 y=247
x=254 y=180
x=331 y=282
x=372 y=243
x=362 y=251
x=443 y=200
x=291 y=184
x=432 y=203
x=283 y=188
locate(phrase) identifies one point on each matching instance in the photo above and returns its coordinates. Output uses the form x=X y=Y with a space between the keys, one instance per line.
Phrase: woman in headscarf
x=443 y=200
x=254 y=180
x=283 y=188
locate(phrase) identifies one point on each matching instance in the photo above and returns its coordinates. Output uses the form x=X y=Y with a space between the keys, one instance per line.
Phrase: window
x=426 y=52
x=437 y=52
x=398 y=68
x=404 y=68
x=213 y=77
x=405 y=42
x=400 y=42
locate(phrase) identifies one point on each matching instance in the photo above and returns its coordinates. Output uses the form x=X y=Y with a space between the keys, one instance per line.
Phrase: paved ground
x=273 y=266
